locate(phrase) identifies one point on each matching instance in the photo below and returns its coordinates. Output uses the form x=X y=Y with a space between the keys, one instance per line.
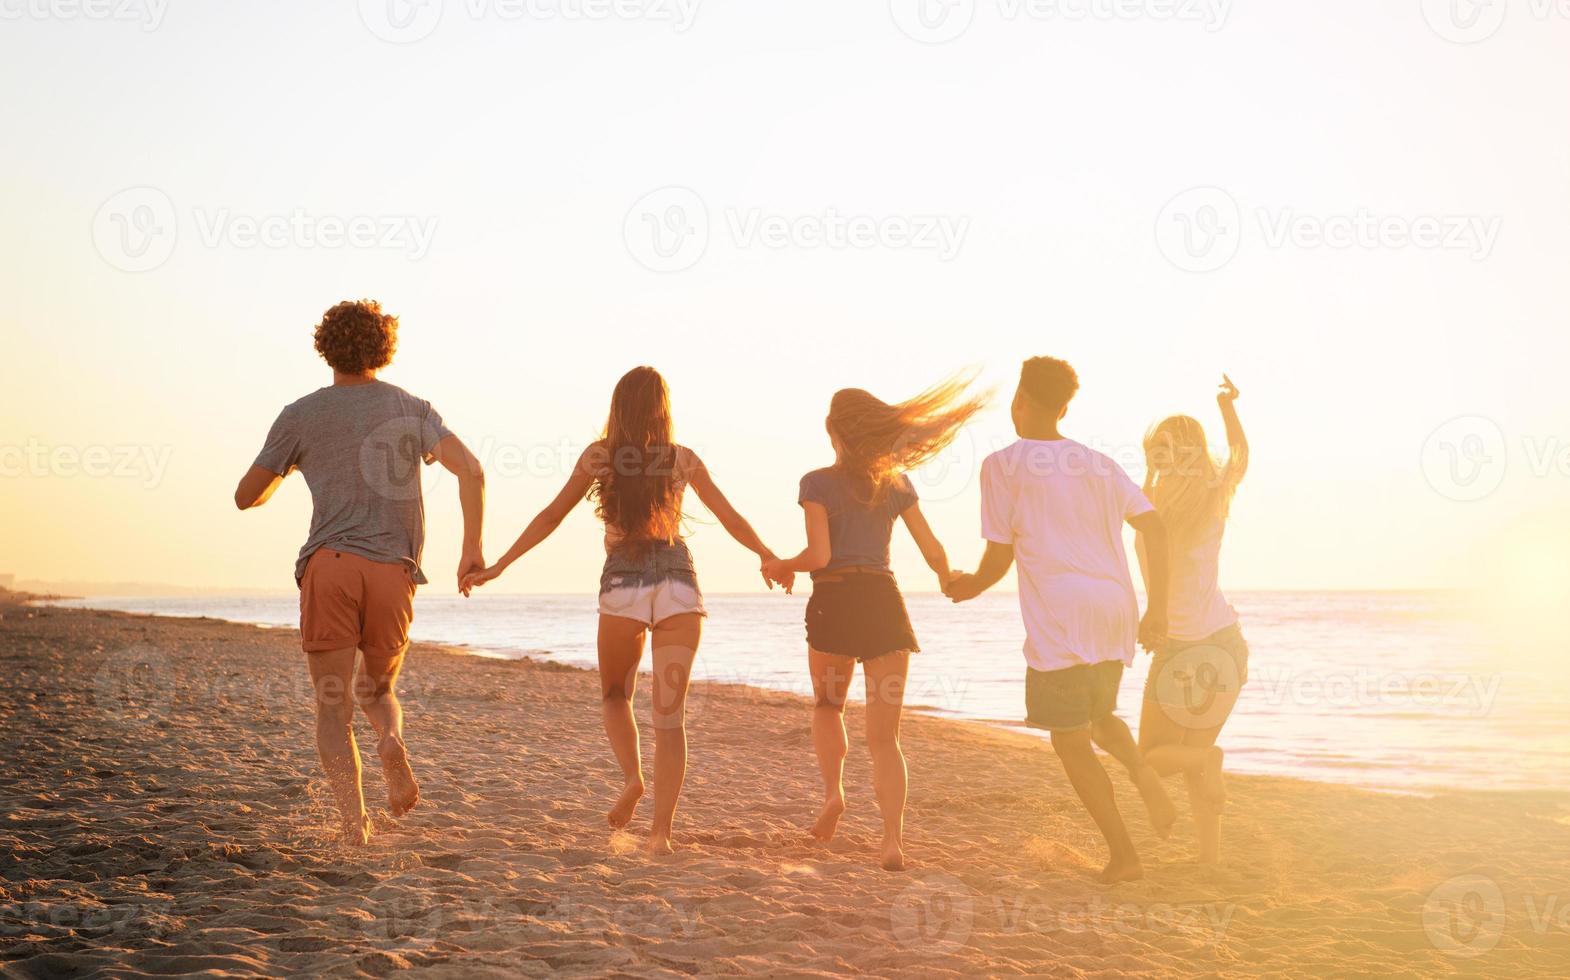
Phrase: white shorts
x=652 y=587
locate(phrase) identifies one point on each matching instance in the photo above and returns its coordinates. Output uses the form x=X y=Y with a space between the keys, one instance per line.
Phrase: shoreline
x=166 y=813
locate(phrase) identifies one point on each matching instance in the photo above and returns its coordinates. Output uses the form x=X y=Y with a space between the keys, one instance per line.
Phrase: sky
x=1358 y=210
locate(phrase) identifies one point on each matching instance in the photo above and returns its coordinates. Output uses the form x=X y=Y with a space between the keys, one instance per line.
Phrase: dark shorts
x=1197 y=682
x=1072 y=698
x=858 y=614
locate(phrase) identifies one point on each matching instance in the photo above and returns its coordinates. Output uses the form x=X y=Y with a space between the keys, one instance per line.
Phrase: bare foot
x=1121 y=869
x=1162 y=813
x=829 y=819
x=659 y=844
x=403 y=793
x=1215 y=782
x=893 y=856
x=621 y=814
x=357 y=833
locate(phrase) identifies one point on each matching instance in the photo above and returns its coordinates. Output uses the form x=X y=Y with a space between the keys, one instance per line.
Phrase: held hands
x=775 y=570
x=479 y=577
x=1228 y=392
x=961 y=587
x=471 y=562
x=1153 y=630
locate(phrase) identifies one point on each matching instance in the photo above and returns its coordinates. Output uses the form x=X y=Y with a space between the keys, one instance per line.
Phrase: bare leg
x=674 y=647
x=1170 y=748
x=831 y=676
x=621 y=648
x=885 y=699
x=375 y=688
x=332 y=673
x=1095 y=791
x=1114 y=738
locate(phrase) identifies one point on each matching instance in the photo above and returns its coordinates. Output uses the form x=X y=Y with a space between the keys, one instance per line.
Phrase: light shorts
x=349 y=601
x=650 y=585
x=1197 y=682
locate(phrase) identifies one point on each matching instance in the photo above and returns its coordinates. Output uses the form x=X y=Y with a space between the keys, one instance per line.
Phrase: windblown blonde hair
x=1186 y=485
x=879 y=441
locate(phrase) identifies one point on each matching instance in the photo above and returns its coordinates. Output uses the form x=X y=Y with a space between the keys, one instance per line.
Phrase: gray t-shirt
x=359 y=448
x=859 y=531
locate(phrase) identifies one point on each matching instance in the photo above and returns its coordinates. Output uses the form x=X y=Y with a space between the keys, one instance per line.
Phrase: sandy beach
x=164 y=813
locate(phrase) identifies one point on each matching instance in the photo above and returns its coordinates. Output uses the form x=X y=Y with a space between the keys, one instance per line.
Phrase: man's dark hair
x=356 y=336
x=1049 y=382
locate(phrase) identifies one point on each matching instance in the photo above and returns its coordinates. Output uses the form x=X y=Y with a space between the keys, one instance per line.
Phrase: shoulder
x=687 y=462
x=819 y=485
x=403 y=397
x=595 y=460
x=1001 y=462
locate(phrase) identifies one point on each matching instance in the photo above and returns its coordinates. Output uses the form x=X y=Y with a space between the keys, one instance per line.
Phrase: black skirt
x=858 y=614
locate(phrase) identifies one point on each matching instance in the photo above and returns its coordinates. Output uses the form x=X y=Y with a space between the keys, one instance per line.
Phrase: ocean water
x=1396 y=691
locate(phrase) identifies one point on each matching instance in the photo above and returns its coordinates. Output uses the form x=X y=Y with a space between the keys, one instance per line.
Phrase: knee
x=616 y=694
x=368 y=690
x=825 y=703
x=334 y=713
x=882 y=741
x=1072 y=746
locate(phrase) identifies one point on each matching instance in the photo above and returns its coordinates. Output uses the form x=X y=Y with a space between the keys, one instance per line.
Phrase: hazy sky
x=772 y=201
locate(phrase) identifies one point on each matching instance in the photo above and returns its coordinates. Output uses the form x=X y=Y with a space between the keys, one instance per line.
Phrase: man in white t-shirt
x=1057 y=508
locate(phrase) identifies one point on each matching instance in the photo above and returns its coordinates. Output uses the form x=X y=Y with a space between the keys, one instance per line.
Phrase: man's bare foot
x=1121 y=869
x=1215 y=782
x=403 y=793
x=829 y=819
x=357 y=833
x=621 y=814
x=893 y=856
x=1163 y=814
x=659 y=844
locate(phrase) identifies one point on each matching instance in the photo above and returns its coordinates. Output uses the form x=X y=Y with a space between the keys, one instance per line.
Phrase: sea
x=1406 y=692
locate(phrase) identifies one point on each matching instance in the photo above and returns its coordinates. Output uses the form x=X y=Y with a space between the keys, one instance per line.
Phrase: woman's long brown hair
x=879 y=441
x=637 y=493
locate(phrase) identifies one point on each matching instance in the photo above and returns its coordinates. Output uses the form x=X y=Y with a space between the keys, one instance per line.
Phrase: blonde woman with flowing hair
x=1199 y=669
x=856 y=612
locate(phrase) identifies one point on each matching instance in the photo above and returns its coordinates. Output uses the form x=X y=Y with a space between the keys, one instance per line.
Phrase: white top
x=1062 y=505
x=1196 y=609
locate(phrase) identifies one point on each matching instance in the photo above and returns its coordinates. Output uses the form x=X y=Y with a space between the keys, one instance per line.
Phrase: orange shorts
x=349 y=601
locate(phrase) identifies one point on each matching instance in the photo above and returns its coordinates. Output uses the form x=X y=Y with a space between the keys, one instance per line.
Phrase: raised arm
x=544 y=523
x=699 y=479
x=931 y=548
x=1237 y=442
x=456 y=458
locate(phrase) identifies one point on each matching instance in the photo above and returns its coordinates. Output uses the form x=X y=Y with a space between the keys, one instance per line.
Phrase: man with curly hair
x=359 y=444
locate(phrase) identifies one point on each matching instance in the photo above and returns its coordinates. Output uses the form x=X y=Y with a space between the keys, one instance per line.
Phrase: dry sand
x=163 y=813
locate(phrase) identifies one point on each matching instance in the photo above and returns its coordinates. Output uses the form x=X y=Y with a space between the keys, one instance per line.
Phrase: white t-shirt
x=1197 y=609
x=1062 y=505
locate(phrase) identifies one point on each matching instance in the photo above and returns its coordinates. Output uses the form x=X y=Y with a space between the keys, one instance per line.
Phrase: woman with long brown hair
x=856 y=612
x=637 y=476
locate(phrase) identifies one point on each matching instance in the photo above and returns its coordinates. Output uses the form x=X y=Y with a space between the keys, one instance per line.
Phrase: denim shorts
x=1072 y=698
x=1196 y=682
x=650 y=583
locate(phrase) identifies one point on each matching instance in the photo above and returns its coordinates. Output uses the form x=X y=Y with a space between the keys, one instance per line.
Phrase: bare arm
x=1237 y=442
x=1154 y=563
x=455 y=456
x=256 y=487
x=995 y=564
x=818 y=550
x=543 y=525
x=721 y=508
x=931 y=548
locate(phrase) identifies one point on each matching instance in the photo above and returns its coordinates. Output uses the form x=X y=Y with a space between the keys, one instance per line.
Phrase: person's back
x=359 y=448
x=861 y=522
x=1062 y=507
